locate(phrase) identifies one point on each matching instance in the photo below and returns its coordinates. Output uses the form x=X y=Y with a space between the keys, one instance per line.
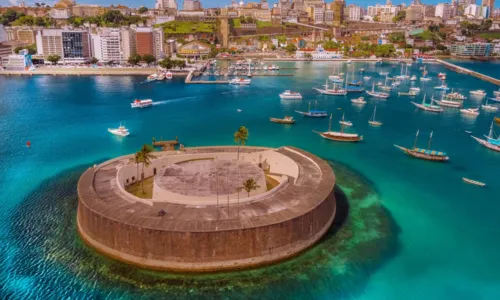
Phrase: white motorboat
x=409 y=93
x=141 y=103
x=349 y=61
x=497 y=93
x=478 y=93
x=169 y=75
x=120 y=131
x=425 y=79
x=384 y=73
x=360 y=101
x=442 y=87
x=415 y=89
x=152 y=77
x=240 y=81
x=290 y=95
x=367 y=78
x=413 y=78
x=489 y=107
x=161 y=77
x=470 y=111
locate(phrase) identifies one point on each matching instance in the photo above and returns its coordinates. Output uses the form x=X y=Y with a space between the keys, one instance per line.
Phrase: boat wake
x=172 y=100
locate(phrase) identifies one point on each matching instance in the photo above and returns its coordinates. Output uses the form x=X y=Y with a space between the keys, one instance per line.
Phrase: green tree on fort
x=134 y=59
x=250 y=185
x=143 y=10
x=240 y=138
x=53 y=58
x=136 y=160
x=148 y=58
x=145 y=157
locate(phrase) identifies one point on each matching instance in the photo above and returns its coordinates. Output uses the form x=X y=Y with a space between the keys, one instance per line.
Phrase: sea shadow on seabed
x=44 y=256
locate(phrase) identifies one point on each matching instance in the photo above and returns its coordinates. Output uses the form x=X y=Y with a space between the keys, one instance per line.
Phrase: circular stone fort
x=200 y=217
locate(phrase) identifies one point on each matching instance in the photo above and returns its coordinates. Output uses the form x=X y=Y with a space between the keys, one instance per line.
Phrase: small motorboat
x=425 y=79
x=120 y=131
x=413 y=78
x=152 y=77
x=285 y=120
x=349 y=61
x=441 y=75
x=141 y=103
x=169 y=75
x=442 y=87
x=239 y=110
x=470 y=111
x=474 y=182
x=409 y=93
x=415 y=89
x=362 y=70
x=360 y=101
x=478 y=93
x=367 y=77
x=240 y=81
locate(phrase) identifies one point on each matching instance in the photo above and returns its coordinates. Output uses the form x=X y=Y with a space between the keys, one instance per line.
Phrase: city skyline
x=210 y=3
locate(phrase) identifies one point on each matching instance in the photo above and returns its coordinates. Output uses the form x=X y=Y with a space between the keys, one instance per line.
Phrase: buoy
x=28 y=144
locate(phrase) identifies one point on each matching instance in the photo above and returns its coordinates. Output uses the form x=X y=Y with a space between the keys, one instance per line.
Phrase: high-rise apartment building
x=337 y=7
x=73 y=46
x=490 y=4
x=444 y=11
x=191 y=5
x=149 y=41
x=356 y=12
x=165 y=4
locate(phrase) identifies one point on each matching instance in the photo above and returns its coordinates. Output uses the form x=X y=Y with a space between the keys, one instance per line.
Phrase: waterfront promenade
x=469 y=72
x=59 y=71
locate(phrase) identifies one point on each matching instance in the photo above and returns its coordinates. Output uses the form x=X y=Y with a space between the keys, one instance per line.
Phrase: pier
x=469 y=72
x=166 y=144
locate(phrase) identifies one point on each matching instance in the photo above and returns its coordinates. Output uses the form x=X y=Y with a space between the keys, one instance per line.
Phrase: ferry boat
x=141 y=103
x=333 y=91
x=380 y=95
x=120 y=131
x=339 y=136
x=360 y=101
x=344 y=122
x=240 y=81
x=372 y=120
x=489 y=107
x=152 y=77
x=428 y=106
x=285 y=120
x=313 y=113
x=490 y=142
x=289 y=95
x=169 y=75
x=478 y=93
x=426 y=154
x=470 y=111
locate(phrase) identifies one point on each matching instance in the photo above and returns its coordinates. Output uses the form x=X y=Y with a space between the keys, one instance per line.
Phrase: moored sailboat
x=380 y=95
x=340 y=136
x=426 y=154
x=372 y=120
x=490 y=142
x=489 y=107
x=313 y=113
x=428 y=106
x=333 y=91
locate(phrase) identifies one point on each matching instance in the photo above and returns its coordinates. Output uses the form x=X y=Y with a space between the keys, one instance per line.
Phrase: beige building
x=87 y=10
x=415 y=12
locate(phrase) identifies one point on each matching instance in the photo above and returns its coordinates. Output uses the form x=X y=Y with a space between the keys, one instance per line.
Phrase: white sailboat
x=490 y=142
x=489 y=107
x=372 y=120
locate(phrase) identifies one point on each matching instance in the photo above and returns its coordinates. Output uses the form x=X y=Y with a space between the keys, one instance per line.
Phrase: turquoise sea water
x=434 y=237
x=490 y=68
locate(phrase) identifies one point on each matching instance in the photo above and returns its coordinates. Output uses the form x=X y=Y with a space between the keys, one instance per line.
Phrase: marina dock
x=469 y=72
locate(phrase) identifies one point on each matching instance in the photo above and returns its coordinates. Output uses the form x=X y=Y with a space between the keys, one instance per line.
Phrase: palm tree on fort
x=145 y=156
x=250 y=185
x=137 y=160
x=240 y=137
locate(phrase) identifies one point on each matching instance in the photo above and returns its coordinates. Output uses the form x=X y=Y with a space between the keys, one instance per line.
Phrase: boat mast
x=330 y=123
x=423 y=100
x=416 y=138
x=309 y=106
x=342 y=124
x=490 y=135
x=374 y=112
x=430 y=140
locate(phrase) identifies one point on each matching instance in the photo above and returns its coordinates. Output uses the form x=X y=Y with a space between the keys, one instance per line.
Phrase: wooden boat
x=372 y=120
x=285 y=120
x=339 y=136
x=333 y=91
x=428 y=107
x=313 y=113
x=426 y=154
x=497 y=120
x=490 y=142
x=474 y=182
x=447 y=103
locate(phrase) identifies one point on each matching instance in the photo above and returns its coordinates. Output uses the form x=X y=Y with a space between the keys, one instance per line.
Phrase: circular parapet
x=202 y=231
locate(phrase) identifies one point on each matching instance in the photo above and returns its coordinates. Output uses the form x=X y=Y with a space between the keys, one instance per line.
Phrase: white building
x=164 y=4
x=19 y=61
x=383 y=9
x=163 y=19
x=319 y=15
x=107 y=45
x=3 y=34
x=319 y=54
x=444 y=11
x=477 y=11
x=329 y=16
x=355 y=12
